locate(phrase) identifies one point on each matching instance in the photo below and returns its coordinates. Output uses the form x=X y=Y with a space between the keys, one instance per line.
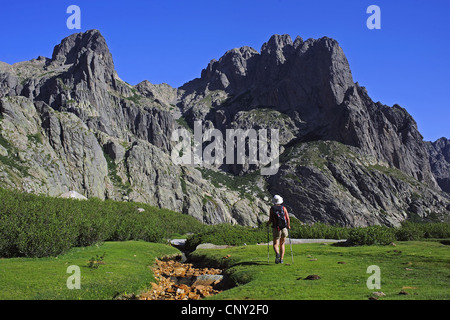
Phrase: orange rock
x=200 y=288
x=193 y=296
x=167 y=289
x=179 y=271
x=184 y=287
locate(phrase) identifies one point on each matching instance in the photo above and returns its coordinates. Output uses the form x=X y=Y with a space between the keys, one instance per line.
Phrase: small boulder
x=312 y=277
x=73 y=195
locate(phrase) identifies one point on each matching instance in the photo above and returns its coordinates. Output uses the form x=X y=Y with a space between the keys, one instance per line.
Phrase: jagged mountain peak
x=277 y=42
x=306 y=63
x=71 y=47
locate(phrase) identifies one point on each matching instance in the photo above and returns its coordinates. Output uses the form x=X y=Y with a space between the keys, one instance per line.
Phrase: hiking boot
x=277 y=259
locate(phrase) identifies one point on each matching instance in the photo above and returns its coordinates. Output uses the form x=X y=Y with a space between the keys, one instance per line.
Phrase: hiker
x=279 y=218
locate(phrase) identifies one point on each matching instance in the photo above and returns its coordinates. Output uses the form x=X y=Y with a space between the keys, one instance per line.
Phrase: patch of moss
x=245 y=185
x=112 y=173
x=36 y=138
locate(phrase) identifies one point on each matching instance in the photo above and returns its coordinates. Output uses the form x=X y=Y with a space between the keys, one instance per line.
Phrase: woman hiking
x=279 y=218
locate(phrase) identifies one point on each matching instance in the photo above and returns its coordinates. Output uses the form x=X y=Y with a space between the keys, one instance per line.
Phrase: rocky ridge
x=439 y=152
x=70 y=123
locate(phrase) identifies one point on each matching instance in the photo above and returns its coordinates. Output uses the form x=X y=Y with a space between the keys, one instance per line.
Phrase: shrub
x=317 y=231
x=225 y=234
x=39 y=226
x=409 y=231
x=372 y=235
x=420 y=230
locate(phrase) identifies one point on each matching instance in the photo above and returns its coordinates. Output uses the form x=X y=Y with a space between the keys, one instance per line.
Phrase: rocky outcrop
x=310 y=83
x=439 y=152
x=331 y=182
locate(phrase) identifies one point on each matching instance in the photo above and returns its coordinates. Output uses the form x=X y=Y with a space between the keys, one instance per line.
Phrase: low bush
x=39 y=226
x=317 y=231
x=226 y=234
x=372 y=235
x=422 y=230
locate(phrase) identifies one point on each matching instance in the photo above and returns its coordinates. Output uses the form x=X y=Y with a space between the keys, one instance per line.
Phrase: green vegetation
x=135 y=97
x=317 y=153
x=394 y=172
x=419 y=269
x=225 y=234
x=40 y=237
x=245 y=185
x=39 y=226
x=373 y=235
x=123 y=270
x=115 y=178
x=183 y=123
x=36 y=138
x=62 y=84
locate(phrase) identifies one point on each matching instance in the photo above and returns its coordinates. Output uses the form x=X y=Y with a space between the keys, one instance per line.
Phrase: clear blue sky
x=407 y=61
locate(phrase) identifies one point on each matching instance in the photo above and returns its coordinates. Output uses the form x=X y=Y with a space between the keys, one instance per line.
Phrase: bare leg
x=276 y=244
x=282 y=247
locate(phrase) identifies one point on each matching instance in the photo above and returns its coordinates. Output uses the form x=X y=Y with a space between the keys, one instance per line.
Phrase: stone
x=3 y=151
x=73 y=195
x=439 y=156
x=312 y=277
x=207 y=280
x=379 y=294
x=115 y=151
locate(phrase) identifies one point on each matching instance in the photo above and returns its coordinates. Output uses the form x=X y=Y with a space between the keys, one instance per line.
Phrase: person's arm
x=270 y=217
x=286 y=214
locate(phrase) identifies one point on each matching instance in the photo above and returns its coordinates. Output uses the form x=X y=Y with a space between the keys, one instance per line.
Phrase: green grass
x=423 y=266
x=125 y=271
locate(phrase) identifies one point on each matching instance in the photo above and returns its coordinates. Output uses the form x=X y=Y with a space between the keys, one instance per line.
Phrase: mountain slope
x=306 y=90
x=440 y=162
x=70 y=123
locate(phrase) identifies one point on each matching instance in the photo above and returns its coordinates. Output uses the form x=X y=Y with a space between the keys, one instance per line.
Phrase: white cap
x=277 y=199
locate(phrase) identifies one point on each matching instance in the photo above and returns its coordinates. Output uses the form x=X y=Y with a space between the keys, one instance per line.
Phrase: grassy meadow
x=114 y=243
x=124 y=270
x=421 y=269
